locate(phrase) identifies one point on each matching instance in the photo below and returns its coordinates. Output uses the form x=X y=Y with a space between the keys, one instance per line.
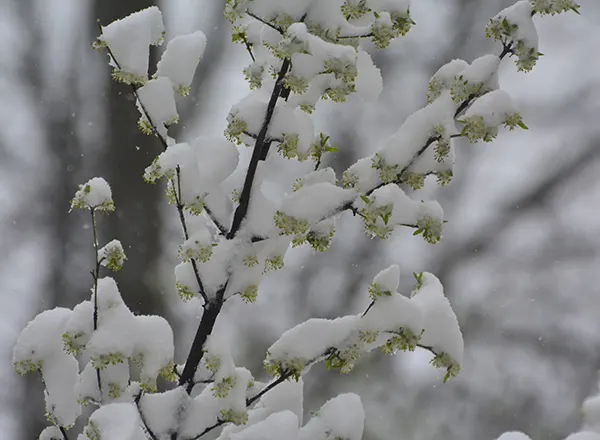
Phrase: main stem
x=261 y=148
x=96 y=275
x=213 y=307
x=207 y=323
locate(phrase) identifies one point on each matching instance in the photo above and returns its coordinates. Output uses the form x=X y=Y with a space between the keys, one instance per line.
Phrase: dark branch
x=207 y=430
x=63 y=431
x=265 y=22
x=285 y=376
x=143 y=418
x=261 y=148
x=187 y=236
x=207 y=323
x=249 y=402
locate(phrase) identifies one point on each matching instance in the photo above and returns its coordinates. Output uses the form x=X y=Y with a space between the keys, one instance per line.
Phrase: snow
x=341 y=417
x=319 y=176
x=281 y=425
x=201 y=412
x=285 y=397
x=158 y=101
x=95 y=193
x=179 y=61
x=494 y=107
x=584 y=435
x=483 y=70
x=129 y=39
x=388 y=279
x=162 y=411
x=122 y=333
x=40 y=347
x=112 y=255
x=442 y=331
x=215 y=272
x=390 y=313
x=591 y=413
x=117 y=421
x=217 y=158
x=520 y=14
x=51 y=433
x=514 y=435
x=316 y=202
x=406 y=211
x=369 y=83
x=311 y=339
x=185 y=277
x=414 y=133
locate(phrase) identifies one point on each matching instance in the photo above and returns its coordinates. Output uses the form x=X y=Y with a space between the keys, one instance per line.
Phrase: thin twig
x=180 y=208
x=210 y=428
x=285 y=376
x=249 y=48
x=342 y=37
x=265 y=22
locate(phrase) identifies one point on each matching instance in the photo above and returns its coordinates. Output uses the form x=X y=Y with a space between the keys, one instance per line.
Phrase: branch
x=222 y=229
x=368 y=35
x=261 y=144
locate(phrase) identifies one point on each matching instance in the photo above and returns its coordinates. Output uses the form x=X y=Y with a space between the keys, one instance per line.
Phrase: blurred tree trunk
x=127 y=152
x=121 y=160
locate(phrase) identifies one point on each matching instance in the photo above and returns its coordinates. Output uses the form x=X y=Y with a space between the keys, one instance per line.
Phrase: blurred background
x=520 y=259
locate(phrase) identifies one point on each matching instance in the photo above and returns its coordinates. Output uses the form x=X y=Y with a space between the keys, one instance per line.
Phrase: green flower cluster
x=197 y=252
x=553 y=7
x=221 y=389
x=376 y=218
x=112 y=256
x=388 y=173
x=80 y=200
x=443 y=360
x=404 y=339
x=376 y=291
x=235 y=417
x=235 y=128
x=430 y=228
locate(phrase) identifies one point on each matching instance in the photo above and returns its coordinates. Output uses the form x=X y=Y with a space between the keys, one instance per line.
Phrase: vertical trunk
x=126 y=154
